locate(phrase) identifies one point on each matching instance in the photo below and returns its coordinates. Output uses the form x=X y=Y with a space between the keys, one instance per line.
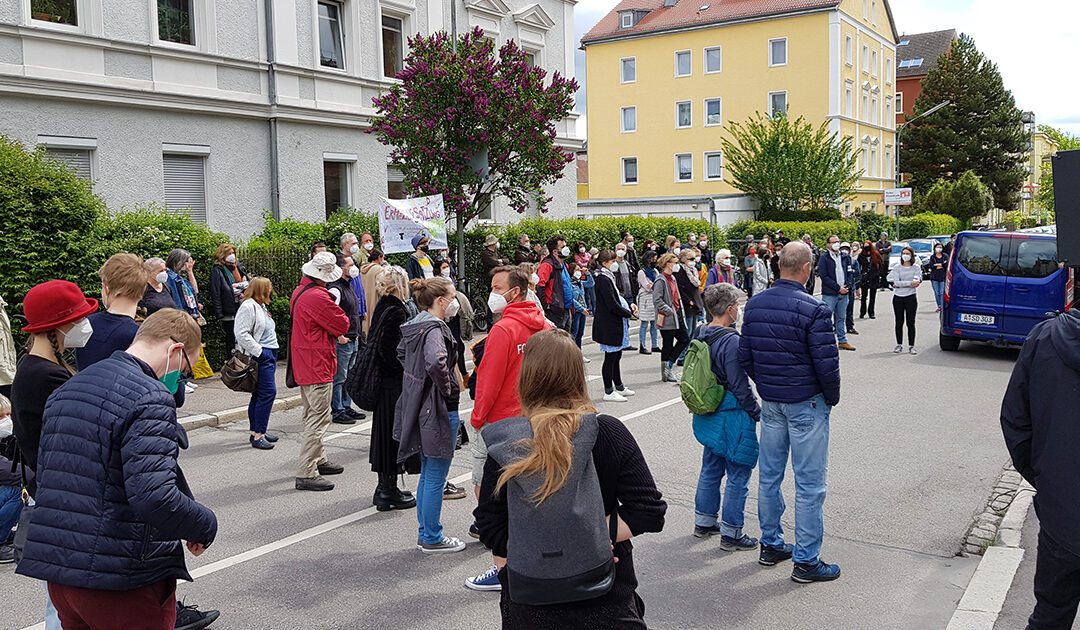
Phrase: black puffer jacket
x=221 y=294
x=112 y=505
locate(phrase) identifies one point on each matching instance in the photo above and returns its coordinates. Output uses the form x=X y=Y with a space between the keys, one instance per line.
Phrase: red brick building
x=916 y=56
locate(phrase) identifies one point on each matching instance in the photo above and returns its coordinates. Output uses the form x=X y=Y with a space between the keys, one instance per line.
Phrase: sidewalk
x=213 y=403
x=1020 y=600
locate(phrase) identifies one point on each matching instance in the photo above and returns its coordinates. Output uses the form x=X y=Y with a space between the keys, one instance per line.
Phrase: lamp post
x=899 y=176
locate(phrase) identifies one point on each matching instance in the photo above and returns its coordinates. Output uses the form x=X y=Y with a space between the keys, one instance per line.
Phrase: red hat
x=52 y=304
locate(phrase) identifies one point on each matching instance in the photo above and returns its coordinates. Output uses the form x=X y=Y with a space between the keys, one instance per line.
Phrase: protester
x=1038 y=420
x=939 y=268
x=856 y=279
x=949 y=246
x=490 y=257
x=316 y=323
x=7 y=351
x=707 y=257
x=228 y=281
x=367 y=245
x=530 y=271
x=873 y=272
x=749 y=262
x=525 y=254
x=762 y=271
x=906 y=278
x=584 y=260
x=834 y=268
x=787 y=349
x=419 y=264
x=774 y=260
x=884 y=249
x=341 y=290
x=781 y=240
x=650 y=246
x=368 y=273
x=553 y=284
x=722 y=270
x=671 y=245
x=815 y=255
x=352 y=251
x=157 y=294
x=545 y=496
x=624 y=276
x=350 y=245
x=126 y=478
x=577 y=328
x=497 y=379
x=256 y=335
x=182 y=283
x=669 y=316
x=631 y=255
x=646 y=309
x=611 y=327
x=729 y=434
x=123 y=284
x=690 y=293
x=11 y=503
x=316 y=247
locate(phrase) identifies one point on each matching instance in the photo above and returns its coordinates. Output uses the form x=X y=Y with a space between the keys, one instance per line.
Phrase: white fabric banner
x=402 y=219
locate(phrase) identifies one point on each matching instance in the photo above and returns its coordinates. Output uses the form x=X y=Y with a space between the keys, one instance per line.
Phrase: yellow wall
x=582 y=191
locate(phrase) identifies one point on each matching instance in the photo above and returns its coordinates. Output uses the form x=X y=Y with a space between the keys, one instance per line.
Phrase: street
x=915 y=448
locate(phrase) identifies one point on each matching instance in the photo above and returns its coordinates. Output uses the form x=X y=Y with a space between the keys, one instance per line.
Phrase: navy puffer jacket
x=788 y=347
x=112 y=506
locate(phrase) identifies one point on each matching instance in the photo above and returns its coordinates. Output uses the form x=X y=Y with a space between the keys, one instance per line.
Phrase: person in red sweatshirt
x=497 y=378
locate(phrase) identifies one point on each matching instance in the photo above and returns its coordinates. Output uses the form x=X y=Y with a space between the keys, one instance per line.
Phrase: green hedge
x=818 y=214
x=926 y=224
x=819 y=231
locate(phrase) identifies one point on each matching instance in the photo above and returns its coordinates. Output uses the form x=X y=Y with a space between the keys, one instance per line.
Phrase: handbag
x=241 y=372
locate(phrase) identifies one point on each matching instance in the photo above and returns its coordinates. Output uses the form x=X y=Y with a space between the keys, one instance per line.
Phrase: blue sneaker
x=770 y=556
x=486 y=581
x=742 y=543
x=817 y=572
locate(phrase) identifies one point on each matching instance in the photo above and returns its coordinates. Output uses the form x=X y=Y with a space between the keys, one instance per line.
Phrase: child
x=10 y=487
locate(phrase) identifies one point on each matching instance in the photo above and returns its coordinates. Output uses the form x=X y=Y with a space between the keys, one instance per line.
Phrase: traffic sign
x=898 y=196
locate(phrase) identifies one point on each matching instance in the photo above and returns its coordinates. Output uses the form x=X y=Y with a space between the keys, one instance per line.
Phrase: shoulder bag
x=241 y=372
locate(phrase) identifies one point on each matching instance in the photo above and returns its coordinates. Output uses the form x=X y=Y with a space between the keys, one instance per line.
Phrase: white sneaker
x=586 y=359
x=898 y=349
x=188 y=388
x=911 y=350
x=626 y=392
x=193 y=385
x=614 y=397
x=446 y=545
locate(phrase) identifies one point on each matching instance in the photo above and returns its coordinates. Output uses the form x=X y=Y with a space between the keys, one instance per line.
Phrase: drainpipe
x=271 y=82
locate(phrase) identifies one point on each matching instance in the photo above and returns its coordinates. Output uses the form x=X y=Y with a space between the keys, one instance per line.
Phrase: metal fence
x=280 y=263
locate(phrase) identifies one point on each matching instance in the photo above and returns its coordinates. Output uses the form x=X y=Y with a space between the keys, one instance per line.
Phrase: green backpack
x=700 y=390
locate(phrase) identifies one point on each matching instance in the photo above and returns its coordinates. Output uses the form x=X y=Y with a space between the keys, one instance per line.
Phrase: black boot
x=388 y=497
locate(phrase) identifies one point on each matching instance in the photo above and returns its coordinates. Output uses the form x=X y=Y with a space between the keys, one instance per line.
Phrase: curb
x=986 y=592
x=232 y=415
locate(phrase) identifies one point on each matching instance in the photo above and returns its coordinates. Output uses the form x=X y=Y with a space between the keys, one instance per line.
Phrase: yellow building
x=665 y=77
x=1037 y=162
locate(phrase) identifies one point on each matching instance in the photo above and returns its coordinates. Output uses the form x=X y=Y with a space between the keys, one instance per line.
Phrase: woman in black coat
x=385 y=335
x=228 y=281
x=610 y=326
x=873 y=271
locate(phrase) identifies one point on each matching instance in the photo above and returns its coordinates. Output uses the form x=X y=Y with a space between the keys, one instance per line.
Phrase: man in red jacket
x=497 y=378
x=318 y=324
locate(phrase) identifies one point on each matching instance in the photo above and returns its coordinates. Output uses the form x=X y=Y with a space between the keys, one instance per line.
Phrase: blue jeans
x=707 y=500
x=692 y=326
x=577 y=328
x=346 y=356
x=262 y=399
x=429 y=491
x=641 y=334
x=590 y=297
x=802 y=428
x=939 y=291
x=10 y=508
x=838 y=305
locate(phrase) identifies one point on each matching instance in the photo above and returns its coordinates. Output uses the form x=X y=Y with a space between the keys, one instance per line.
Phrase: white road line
x=646 y=411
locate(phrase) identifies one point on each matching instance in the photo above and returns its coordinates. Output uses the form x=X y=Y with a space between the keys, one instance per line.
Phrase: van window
x=982 y=254
x=1035 y=258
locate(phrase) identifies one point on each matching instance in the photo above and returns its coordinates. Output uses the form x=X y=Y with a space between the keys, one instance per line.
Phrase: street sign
x=898 y=196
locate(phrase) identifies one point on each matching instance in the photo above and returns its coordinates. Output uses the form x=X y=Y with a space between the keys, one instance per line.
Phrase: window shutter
x=76 y=159
x=185 y=184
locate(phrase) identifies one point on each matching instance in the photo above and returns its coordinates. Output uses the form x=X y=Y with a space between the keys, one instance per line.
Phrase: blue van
x=999 y=285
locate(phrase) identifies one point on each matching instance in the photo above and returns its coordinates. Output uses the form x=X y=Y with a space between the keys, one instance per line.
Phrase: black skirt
x=383 y=451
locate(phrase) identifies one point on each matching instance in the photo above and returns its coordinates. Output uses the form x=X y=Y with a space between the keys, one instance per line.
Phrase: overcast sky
x=1031 y=42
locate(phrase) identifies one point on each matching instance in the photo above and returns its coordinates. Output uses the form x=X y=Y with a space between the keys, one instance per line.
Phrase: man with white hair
x=352 y=250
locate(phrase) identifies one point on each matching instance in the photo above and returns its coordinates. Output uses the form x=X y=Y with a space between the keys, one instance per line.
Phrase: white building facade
x=231 y=108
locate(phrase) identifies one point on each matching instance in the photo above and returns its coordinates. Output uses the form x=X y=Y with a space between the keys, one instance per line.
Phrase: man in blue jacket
x=837 y=287
x=787 y=349
x=112 y=509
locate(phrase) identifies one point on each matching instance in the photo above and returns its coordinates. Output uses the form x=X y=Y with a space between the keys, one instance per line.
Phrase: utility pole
x=460 y=216
x=899 y=176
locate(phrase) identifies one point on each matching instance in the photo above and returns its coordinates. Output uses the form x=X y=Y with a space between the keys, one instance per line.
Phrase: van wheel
x=947 y=343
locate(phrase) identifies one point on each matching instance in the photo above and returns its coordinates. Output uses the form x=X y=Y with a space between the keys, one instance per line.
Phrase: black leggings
x=230 y=336
x=868 y=293
x=610 y=371
x=675 y=341
x=904 y=308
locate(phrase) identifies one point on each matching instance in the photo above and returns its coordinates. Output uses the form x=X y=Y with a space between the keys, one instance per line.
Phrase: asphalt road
x=915 y=450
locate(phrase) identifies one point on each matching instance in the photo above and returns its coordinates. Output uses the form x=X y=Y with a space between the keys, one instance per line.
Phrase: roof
x=925 y=46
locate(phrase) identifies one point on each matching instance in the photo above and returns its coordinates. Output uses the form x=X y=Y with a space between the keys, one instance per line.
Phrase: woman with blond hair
x=228 y=281
x=562 y=463
x=256 y=336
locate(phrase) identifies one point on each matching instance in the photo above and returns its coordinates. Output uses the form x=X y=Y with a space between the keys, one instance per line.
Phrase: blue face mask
x=171 y=380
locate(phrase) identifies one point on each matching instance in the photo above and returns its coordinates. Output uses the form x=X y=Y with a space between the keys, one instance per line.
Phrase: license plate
x=969 y=318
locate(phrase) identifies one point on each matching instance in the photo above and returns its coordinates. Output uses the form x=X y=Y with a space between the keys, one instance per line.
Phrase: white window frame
x=888 y=71
x=71 y=143
x=873 y=12
x=349 y=161
x=690 y=56
x=622 y=67
x=874 y=109
x=848 y=46
x=873 y=207
x=873 y=161
x=865 y=155
x=849 y=98
x=787 y=105
x=865 y=59
x=538 y=61
x=623 y=22
x=865 y=9
x=684 y=155
x=342 y=21
x=899 y=102
x=406 y=28
x=689 y=104
x=769 y=57
x=873 y=63
x=705 y=59
x=705 y=111
x=888 y=161
x=203 y=16
x=199 y=150
x=888 y=111
x=847 y=208
x=622 y=119
x=622 y=170
x=705 y=166
x=864 y=112
x=84 y=13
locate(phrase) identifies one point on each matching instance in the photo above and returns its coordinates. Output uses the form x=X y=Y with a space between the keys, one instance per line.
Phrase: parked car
x=999 y=285
x=941 y=238
x=923 y=247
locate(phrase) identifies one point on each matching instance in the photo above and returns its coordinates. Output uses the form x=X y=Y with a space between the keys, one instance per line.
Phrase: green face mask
x=171 y=380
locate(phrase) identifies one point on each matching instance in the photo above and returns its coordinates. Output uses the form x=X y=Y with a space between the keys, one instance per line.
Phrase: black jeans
x=675 y=341
x=1057 y=586
x=610 y=372
x=850 y=322
x=230 y=336
x=561 y=318
x=871 y=294
x=904 y=308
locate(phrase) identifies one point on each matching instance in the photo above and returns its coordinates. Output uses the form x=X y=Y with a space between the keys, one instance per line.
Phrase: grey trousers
x=316 y=418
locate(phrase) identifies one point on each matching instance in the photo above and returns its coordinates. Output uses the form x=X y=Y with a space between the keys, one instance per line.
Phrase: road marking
x=648 y=410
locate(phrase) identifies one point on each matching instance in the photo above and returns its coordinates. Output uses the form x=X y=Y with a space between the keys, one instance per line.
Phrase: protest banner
x=402 y=219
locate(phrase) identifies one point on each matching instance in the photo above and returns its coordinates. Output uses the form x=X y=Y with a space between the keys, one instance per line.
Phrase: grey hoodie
x=421 y=418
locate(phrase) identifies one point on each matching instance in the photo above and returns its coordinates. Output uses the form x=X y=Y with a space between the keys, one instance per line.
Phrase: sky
x=1029 y=41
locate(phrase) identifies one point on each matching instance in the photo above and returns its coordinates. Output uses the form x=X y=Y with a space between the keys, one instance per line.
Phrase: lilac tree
x=452 y=105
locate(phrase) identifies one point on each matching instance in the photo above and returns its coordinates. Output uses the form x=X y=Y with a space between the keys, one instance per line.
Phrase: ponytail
x=426 y=290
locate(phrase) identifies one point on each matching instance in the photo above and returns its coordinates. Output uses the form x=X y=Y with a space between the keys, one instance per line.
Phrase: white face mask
x=630 y=243
x=354 y=249
x=354 y=271
x=613 y=267
x=835 y=247
x=676 y=267
x=497 y=302
x=446 y=273
x=6 y=426
x=697 y=260
x=577 y=275
x=620 y=252
x=368 y=246
x=565 y=251
x=525 y=244
x=704 y=243
x=676 y=251
x=231 y=259
x=452 y=308
x=534 y=278
x=938 y=250
x=726 y=262
x=581 y=250
x=905 y=257
x=79 y=334
x=162 y=277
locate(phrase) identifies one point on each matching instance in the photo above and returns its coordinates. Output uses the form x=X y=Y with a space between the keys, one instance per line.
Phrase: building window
x=626 y=19
x=185 y=184
x=847 y=50
x=713 y=112
x=628 y=70
x=714 y=59
x=629 y=170
x=888 y=111
x=873 y=63
x=899 y=102
x=904 y=42
x=864 y=156
x=873 y=162
x=683 y=115
x=849 y=87
x=486 y=212
x=175 y=21
x=873 y=11
x=864 y=206
x=55 y=11
x=847 y=208
x=864 y=114
x=777 y=103
x=888 y=70
x=336 y=186
x=866 y=59
x=76 y=159
x=684 y=167
x=714 y=166
x=888 y=162
x=331 y=53
x=395 y=183
x=778 y=52
x=911 y=63
x=530 y=59
x=393 y=46
x=874 y=109
x=865 y=8
x=629 y=119
x=873 y=207
x=683 y=65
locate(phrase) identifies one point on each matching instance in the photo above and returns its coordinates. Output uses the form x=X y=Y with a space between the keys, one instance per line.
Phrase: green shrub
x=816 y=214
x=872 y=224
x=819 y=231
x=927 y=223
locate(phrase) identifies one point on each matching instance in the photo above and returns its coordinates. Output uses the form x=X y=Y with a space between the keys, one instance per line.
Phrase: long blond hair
x=554 y=397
